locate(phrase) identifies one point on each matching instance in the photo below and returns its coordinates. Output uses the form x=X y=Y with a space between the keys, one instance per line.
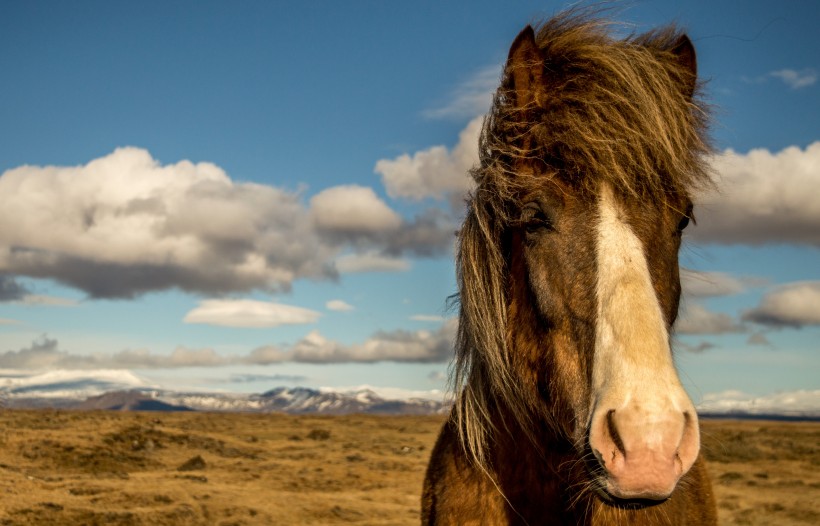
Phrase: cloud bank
x=423 y=346
x=435 y=172
x=247 y=313
x=70 y=383
x=339 y=306
x=125 y=224
x=396 y=346
x=796 y=79
x=803 y=402
x=45 y=353
x=697 y=319
x=792 y=305
x=700 y=284
x=763 y=198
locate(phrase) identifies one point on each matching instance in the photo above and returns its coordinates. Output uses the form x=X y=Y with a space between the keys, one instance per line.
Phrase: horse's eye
x=533 y=218
x=684 y=222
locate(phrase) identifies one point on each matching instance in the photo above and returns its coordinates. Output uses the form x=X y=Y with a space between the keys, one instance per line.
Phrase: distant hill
x=740 y=415
x=126 y=401
x=297 y=400
x=124 y=391
x=301 y=400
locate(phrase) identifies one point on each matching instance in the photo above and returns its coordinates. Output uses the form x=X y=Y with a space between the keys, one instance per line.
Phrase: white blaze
x=643 y=427
x=633 y=363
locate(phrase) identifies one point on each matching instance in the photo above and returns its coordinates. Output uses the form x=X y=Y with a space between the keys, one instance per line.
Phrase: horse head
x=568 y=260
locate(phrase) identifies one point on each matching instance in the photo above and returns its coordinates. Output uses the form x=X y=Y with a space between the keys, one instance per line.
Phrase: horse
x=569 y=408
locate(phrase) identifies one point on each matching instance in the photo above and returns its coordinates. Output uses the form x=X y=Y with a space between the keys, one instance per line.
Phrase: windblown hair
x=622 y=111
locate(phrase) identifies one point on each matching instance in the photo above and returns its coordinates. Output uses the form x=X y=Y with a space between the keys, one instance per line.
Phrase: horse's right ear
x=525 y=67
x=684 y=52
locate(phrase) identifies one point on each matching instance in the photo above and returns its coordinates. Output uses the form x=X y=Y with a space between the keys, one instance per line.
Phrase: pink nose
x=643 y=455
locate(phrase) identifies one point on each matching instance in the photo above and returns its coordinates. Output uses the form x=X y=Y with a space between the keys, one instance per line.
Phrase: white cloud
x=425 y=346
x=398 y=346
x=186 y=357
x=45 y=353
x=434 y=172
x=355 y=216
x=700 y=284
x=792 y=305
x=124 y=224
x=352 y=210
x=763 y=197
x=472 y=97
x=51 y=301
x=697 y=319
x=370 y=262
x=796 y=79
x=803 y=402
x=70 y=383
x=339 y=306
x=249 y=313
x=7 y=321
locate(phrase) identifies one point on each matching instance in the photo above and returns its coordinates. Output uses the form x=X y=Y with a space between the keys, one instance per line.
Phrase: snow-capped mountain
x=64 y=388
x=304 y=400
x=126 y=401
x=122 y=390
x=119 y=389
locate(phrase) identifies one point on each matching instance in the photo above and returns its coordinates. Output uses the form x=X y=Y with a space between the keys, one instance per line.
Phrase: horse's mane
x=615 y=111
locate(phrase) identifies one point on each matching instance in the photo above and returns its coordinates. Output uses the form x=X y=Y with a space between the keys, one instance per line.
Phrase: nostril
x=689 y=444
x=612 y=429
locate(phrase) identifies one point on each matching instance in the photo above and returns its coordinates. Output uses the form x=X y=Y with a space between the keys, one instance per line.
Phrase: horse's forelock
x=627 y=112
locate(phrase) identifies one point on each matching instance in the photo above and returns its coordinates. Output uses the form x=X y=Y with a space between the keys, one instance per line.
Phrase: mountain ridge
x=97 y=389
x=298 y=400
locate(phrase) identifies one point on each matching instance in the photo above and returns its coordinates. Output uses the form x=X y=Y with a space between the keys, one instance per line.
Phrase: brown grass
x=111 y=468
x=764 y=473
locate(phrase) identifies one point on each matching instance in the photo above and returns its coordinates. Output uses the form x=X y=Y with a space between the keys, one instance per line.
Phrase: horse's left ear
x=525 y=68
x=684 y=52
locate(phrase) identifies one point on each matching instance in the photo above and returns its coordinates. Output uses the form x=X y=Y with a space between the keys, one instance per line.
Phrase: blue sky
x=198 y=192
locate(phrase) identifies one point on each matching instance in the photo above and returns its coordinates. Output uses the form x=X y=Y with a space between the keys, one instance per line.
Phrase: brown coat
x=541 y=489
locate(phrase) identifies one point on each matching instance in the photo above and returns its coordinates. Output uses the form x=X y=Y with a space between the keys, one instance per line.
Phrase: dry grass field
x=110 y=468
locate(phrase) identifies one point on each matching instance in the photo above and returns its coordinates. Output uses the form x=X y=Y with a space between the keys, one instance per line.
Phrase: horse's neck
x=545 y=483
x=538 y=476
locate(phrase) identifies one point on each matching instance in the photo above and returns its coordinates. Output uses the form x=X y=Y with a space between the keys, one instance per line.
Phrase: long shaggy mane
x=613 y=110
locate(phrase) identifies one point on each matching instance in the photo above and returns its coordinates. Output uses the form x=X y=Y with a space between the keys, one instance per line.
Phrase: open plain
x=142 y=468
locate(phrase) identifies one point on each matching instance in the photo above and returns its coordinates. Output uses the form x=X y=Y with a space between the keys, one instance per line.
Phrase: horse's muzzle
x=642 y=456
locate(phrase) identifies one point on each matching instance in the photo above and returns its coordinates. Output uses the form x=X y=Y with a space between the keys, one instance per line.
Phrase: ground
x=119 y=468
